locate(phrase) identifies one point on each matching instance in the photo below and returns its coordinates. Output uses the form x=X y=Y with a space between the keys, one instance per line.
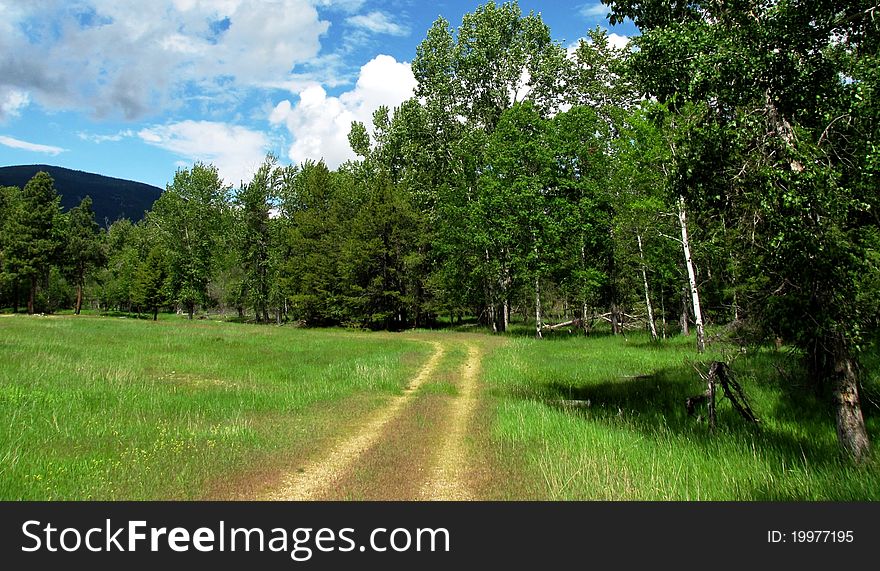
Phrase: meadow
x=605 y=419
x=127 y=409
x=110 y=408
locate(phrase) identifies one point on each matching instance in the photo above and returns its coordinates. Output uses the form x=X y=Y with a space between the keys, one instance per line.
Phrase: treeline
x=724 y=170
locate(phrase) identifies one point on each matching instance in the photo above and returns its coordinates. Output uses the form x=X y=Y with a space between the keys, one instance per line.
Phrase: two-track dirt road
x=418 y=445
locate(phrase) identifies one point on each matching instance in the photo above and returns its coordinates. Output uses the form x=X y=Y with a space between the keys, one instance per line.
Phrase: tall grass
x=604 y=418
x=106 y=408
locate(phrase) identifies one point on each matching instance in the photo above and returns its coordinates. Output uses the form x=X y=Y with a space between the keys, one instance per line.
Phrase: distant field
x=109 y=408
x=629 y=437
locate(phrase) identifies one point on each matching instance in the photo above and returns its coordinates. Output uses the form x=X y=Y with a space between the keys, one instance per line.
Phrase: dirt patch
x=320 y=478
x=308 y=432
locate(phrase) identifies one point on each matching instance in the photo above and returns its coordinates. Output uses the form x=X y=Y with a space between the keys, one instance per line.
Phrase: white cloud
x=319 y=124
x=114 y=138
x=593 y=11
x=342 y=5
x=12 y=102
x=378 y=23
x=32 y=147
x=236 y=151
x=617 y=41
x=130 y=58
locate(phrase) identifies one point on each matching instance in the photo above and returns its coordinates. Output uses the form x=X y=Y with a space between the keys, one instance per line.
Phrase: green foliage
x=149 y=289
x=84 y=246
x=188 y=217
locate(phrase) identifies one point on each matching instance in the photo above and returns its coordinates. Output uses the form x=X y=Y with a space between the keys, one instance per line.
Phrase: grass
x=111 y=408
x=106 y=408
x=630 y=438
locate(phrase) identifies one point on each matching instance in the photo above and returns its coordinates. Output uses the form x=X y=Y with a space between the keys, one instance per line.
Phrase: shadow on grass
x=655 y=404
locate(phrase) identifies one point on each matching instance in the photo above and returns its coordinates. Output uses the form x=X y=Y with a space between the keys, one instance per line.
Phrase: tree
x=83 y=248
x=777 y=138
x=10 y=203
x=188 y=218
x=497 y=58
x=34 y=233
x=254 y=202
x=150 y=281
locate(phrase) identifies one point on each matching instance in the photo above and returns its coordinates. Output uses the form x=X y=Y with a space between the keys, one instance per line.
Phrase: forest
x=717 y=177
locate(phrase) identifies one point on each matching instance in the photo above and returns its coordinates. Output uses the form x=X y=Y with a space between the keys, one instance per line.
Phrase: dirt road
x=416 y=446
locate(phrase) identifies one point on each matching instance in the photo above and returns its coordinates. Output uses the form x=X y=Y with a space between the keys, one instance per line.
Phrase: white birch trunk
x=538 y=324
x=692 y=278
x=647 y=291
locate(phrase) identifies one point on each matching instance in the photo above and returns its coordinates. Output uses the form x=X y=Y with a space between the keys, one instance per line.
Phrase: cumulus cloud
x=319 y=123
x=593 y=11
x=378 y=23
x=12 y=102
x=32 y=147
x=617 y=41
x=236 y=151
x=129 y=57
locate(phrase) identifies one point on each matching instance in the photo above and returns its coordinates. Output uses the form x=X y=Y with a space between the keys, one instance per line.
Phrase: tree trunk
x=615 y=319
x=851 y=433
x=79 y=298
x=683 y=320
x=155 y=313
x=32 y=295
x=538 y=324
x=692 y=278
x=191 y=309
x=647 y=291
x=505 y=309
x=663 y=311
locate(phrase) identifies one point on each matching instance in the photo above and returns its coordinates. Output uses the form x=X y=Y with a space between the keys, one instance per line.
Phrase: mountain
x=112 y=198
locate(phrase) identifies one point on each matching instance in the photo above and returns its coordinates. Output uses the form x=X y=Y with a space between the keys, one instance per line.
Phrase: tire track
x=317 y=479
x=448 y=480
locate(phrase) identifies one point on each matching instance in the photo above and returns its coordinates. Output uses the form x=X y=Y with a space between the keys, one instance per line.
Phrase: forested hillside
x=112 y=198
x=722 y=170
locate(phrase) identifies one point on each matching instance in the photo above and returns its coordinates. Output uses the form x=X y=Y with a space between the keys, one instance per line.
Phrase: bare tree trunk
x=615 y=319
x=851 y=433
x=538 y=324
x=663 y=311
x=647 y=291
x=735 y=307
x=32 y=295
x=190 y=309
x=683 y=320
x=506 y=313
x=79 y=298
x=490 y=300
x=692 y=278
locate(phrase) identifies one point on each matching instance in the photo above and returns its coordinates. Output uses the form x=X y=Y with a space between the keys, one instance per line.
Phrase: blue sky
x=136 y=89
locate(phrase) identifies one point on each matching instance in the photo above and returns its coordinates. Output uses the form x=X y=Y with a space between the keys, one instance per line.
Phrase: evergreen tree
x=84 y=248
x=34 y=233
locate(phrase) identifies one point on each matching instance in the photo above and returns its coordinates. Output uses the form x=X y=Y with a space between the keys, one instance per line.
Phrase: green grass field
x=630 y=437
x=109 y=408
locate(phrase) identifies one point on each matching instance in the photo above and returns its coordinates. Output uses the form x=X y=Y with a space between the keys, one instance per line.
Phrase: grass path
x=414 y=447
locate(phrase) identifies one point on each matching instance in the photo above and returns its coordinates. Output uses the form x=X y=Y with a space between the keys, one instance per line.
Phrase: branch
x=825 y=132
x=670 y=237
